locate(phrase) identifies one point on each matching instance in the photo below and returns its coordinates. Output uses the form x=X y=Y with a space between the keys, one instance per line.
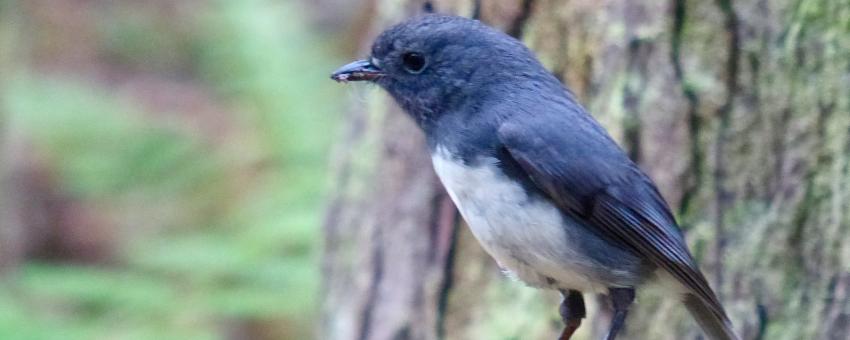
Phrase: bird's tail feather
x=716 y=326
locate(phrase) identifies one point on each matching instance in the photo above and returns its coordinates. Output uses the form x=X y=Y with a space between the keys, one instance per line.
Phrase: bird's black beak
x=357 y=71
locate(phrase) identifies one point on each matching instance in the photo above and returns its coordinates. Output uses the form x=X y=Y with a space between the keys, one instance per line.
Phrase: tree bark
x=739 y=110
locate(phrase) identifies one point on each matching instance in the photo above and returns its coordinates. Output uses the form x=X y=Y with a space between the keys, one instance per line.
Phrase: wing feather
x=589 y=177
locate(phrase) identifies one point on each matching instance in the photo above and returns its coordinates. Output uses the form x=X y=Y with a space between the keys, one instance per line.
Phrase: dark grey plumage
x=545 y=189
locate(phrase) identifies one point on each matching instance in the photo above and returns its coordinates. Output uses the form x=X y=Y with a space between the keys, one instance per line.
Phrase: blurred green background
x=164 y=164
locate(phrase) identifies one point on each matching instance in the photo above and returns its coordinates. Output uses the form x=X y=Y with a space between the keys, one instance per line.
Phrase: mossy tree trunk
x=739 y=110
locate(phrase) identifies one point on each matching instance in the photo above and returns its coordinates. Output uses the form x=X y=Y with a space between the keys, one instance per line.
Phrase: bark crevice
x=722 y=197
x=692 y=181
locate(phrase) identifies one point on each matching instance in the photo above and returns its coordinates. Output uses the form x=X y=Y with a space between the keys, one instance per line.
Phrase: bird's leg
x=621 y=299
x=572 y=311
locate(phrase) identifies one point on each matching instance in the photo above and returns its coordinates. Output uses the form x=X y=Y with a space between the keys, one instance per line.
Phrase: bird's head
x=435 y=64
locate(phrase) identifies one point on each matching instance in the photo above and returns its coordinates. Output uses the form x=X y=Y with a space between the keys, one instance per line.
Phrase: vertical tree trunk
x=739 y=110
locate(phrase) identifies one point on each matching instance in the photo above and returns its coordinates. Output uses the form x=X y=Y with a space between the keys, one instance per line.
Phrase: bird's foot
x=621 y=299
x=570 y=327
x=572 y=311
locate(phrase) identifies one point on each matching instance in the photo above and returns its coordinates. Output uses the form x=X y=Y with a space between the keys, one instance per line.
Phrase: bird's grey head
x=436 y=64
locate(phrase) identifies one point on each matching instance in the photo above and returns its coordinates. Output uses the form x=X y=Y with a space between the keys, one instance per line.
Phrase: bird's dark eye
x=413 y=62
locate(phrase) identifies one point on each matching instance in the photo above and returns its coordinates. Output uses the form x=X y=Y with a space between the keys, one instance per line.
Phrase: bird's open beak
x=356 y=71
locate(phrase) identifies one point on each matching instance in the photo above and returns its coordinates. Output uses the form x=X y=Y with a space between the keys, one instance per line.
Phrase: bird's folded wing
x=588 y=177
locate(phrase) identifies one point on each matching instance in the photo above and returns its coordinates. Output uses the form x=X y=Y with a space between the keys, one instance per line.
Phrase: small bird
x=543 y=187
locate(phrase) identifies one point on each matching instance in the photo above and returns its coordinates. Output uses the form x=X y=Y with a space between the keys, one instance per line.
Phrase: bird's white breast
x=525 y=235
